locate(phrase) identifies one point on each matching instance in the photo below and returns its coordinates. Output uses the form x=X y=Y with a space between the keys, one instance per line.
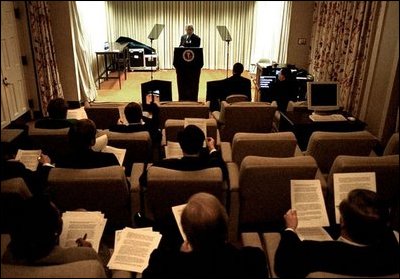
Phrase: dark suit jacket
x=283 y=92
x=84 y=159
x=204 y=161
x=194 y=41
x=35 y=180
x=226 y=262
x=296 y=258
x=50 y=123
x=237 y=84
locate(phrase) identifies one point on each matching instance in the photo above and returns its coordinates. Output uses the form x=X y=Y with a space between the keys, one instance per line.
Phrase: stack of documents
x=132 y=249
x=88 y=225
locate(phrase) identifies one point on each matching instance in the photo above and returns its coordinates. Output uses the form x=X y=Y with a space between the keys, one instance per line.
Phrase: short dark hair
x=205 y=222
x=82 y=135
x=365 y=216
x=57 y=108
x=238 y=68
x=36 y=228
x=191 y=139
x=133 y=112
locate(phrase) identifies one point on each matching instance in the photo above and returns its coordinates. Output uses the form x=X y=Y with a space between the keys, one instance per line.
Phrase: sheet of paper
x=80 y=223
x=314 y=233
x=173 y=150
x=343 y=183
x=133 y=249
x=29 y=158
x=306 y=197
x=78 y=113
x=177 y=211
x=101 y=142
x=118 y=152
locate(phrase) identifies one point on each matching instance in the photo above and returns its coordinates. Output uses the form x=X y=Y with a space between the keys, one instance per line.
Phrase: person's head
x=82 y=135
x=133 y=112
x=189 y=29
x=284 y=74
x=36 y=228
x=57 y=108
x=364 y=217
x=191 y=139
x=205 y=222
x=238 y=69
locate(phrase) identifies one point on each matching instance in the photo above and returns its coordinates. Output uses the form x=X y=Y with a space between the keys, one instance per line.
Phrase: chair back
x=167 y=188
x=386 y=170
x=264 y=189
x=182 y=110
x=249 y=117
x=137 y=144
x=13 y=191
x=326 y=146
x=100 y=189
x=281 y=144
x=174 y=126
x=234 y=98
x=103 y=116
x=392 y=147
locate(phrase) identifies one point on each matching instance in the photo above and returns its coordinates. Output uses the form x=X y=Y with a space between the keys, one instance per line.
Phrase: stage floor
x=131 y=90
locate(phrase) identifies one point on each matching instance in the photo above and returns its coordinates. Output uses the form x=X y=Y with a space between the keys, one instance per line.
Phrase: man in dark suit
x=80 y=155
x=285 y=89
x=206 y=253
x=57 y=119
x=138 y=123
x=190 y=39
x=236 y=84
x=366 y=246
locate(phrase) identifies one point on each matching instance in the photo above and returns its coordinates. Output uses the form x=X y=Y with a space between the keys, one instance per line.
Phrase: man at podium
x=190 y=39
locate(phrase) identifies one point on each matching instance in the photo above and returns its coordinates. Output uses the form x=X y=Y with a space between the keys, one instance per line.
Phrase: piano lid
x=135 y=44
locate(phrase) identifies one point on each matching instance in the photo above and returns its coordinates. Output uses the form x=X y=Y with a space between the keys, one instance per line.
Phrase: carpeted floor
x=131 y=90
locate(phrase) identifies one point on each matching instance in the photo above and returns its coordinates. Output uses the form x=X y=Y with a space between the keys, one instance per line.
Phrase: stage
x=131 y=90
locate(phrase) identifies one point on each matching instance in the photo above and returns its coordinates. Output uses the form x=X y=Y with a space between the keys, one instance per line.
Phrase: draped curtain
x=44 y=52
x=135 y=19
x=342 y=38
x=83 y=53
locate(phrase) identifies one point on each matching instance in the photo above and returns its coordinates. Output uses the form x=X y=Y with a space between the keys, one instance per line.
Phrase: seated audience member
x=236 y=84
x=35 y=235
x=35 y=180
x=285 y=89
x=206 y=253
x=57 y=119
x=79 y=154
x=195 y=157
x=137 y=122
x=366 y=246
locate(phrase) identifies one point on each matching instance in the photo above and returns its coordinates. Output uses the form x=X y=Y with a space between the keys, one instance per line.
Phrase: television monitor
x=323 y=96
x=267 y=81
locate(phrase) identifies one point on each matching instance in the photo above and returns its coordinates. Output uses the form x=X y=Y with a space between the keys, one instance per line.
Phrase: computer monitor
x=323 y=96
x=267 y=81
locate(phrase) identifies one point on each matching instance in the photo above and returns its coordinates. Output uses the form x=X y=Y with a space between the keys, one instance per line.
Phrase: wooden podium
x=188 y=62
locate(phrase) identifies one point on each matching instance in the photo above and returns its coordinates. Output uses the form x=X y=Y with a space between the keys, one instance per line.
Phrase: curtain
x=44 y=52
x=82 y=53
x=341 y=41
x=135 y=19
x=271 y=31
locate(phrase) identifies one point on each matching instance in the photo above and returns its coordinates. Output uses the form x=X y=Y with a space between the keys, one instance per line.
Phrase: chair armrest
x=216 y=115
x=298 y=151
x=226 y=151
x=163 y=138
x=233 y=173
x=251 y=239
x=137 y=170
x=122 y=274
x=324 y=185
x=271 y=241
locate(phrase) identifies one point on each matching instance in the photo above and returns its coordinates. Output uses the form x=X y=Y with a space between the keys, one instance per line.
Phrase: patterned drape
x=341 y=41
x=44 y=52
